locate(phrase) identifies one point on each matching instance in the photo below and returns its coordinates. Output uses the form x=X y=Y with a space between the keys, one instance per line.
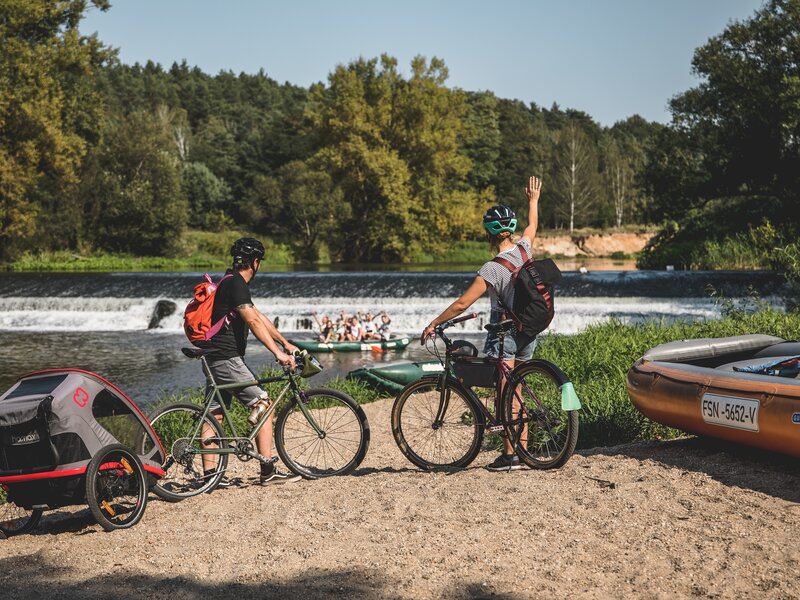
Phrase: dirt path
x=653 y=520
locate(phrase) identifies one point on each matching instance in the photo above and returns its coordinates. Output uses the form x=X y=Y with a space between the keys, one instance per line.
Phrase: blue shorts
x=519 y=346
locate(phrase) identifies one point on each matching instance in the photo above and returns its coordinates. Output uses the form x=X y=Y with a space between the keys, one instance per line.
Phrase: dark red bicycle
x=438 y=421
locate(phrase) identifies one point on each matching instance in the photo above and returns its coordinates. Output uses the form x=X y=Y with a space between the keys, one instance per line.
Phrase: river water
x=99 y=322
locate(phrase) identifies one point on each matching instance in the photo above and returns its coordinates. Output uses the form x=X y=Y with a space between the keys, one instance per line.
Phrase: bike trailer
x=67 y=437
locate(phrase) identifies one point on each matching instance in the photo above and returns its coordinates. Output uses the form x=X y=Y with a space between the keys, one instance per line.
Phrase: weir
x=136 y=301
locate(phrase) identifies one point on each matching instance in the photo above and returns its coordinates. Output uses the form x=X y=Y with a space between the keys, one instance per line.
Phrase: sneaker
x=505 y=462
x=272 y=474
x=259 y=408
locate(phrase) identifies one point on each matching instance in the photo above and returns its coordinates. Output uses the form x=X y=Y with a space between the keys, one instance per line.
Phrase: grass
x=197 y=250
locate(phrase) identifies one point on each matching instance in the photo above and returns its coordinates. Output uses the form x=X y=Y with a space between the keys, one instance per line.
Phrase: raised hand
x=533 y=189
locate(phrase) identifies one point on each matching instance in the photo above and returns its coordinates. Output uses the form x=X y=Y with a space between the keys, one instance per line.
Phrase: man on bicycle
x=500 y=223
x=226 y=361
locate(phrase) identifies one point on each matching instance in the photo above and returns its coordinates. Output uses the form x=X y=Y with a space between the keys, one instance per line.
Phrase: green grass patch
x=197 y=250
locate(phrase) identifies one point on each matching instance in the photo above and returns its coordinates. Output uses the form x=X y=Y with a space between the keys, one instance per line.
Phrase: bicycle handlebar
x=452 y=322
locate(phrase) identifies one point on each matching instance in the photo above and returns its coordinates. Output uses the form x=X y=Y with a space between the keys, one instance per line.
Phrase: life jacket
x=532 y=310
x=197 y=316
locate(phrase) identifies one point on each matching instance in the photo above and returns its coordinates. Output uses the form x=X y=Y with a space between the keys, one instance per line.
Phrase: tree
x=49 y=115
x=136 y=189
x=208 y=196
x=304 y=206
x=575 y=176
x=391 y=147
x=738 y=132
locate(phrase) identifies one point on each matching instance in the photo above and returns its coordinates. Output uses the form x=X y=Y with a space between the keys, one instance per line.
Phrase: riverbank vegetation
x=380 y=163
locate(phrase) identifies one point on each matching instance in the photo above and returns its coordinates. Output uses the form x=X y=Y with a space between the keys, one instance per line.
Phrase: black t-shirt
x=231 y=340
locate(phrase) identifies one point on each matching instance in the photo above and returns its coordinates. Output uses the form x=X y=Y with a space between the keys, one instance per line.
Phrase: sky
x=609 y=58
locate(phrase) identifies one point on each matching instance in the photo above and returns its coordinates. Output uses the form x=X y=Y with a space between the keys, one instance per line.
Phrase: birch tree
x=575 y=175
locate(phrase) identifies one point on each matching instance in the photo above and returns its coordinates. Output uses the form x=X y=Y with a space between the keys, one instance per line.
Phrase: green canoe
x=392 y=377
x=370 y=346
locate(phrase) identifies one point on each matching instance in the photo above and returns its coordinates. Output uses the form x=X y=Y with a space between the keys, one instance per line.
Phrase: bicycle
x=318 y=432
x=439 y=422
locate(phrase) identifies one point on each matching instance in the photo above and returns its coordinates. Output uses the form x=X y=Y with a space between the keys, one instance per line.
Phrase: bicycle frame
x=497 y=422
x=297 y=396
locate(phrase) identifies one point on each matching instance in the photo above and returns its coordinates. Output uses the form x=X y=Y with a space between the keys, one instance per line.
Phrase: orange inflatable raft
x=692 y=385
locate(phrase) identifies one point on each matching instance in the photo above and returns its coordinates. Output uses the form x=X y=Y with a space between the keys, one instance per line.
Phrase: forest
x=383 y=161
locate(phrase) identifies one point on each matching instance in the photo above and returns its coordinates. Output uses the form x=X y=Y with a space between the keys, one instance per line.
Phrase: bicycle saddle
x=195 y=352
x=495 y=328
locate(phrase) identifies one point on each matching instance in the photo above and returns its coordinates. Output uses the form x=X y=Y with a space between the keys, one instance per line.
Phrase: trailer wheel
x=116 y=487
x=15 y=520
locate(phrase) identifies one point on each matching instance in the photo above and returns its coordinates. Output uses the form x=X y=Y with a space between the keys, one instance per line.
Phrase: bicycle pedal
x=496 y=428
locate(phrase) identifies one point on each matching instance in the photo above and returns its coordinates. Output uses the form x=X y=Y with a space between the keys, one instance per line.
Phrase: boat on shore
x=703 y=387
x=365 y=346
x=394 y=376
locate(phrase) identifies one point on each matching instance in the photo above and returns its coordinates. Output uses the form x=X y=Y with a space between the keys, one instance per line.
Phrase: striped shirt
x=499 y=278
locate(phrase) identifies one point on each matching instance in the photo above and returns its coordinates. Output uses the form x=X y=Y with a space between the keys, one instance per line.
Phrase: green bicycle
x=318 y=432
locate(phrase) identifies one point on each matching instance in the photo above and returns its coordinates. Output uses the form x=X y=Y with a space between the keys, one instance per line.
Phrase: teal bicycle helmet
x=499 y=219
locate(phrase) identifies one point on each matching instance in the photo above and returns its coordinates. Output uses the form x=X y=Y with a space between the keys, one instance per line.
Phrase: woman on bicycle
x=500 y=223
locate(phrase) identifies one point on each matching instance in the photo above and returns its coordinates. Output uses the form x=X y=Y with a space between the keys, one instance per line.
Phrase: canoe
x=694 y=385
x=394 y=376
x=374 y=345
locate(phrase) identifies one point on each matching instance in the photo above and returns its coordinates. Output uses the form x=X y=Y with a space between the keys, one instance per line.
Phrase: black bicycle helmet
x=499 y=219
x=245 y=250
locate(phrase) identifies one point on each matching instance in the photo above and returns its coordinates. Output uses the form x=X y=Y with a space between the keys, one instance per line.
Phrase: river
x=100 y=322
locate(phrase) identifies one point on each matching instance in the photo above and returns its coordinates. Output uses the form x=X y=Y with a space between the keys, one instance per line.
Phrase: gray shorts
x=233 y=370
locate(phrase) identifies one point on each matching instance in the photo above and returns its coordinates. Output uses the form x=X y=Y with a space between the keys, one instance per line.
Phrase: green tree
x=49 y=115
x=731 y=156
x=392 y=147
x=135 y=188
x=304 y=207
x=208 y=196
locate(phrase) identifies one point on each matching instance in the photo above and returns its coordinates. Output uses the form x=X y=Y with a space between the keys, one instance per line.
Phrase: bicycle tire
x=552 y=433
x=16 y=520
x=116 y=487
x=302 y=450
x=421 y=442
x=184 y=474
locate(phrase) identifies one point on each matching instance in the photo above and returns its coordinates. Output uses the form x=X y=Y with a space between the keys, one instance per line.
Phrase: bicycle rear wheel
x=452 y=443
x=546 y=434
x=184 y=468
x=337 y=450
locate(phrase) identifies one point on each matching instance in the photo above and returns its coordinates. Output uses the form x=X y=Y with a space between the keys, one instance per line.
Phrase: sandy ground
x=651 y=520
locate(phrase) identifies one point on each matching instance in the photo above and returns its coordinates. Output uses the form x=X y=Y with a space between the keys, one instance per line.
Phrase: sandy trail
x=653 y=520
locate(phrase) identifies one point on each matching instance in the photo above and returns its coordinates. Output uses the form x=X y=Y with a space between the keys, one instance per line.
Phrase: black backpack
x=533 y=283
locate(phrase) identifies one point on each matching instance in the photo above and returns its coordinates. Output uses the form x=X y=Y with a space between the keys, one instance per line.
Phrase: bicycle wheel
x=547 y=435
x=116 y=487
x=452 y=443
x=184 y=468
x=340 y=447
x=15 y=520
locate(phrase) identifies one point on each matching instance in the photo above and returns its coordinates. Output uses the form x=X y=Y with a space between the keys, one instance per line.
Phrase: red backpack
x=533 y=283
x=197 y=316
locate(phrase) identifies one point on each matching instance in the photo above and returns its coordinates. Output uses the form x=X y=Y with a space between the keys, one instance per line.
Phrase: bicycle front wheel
x=452 y=441
x=336 y=446
x=185 y=468
x=545 y=435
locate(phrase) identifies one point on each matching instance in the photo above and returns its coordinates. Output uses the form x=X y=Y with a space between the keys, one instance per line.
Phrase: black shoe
x=505 y=462
x=272 y=475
